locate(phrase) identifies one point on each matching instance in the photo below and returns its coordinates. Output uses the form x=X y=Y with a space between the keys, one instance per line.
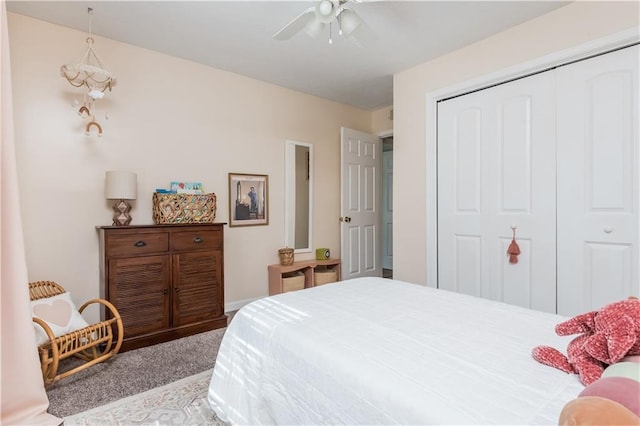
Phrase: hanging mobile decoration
x=514 y=250
x=89 y=72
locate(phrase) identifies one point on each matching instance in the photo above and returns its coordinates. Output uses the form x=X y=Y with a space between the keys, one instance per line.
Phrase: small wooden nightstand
x=307 y=267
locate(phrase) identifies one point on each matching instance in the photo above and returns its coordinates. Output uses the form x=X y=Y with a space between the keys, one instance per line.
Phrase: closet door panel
x=610 y=264
x=496 y=169
x=521 y=294
x=598 y=181
x=468 y=161
x=515 y=154
x=608 y=144
x=462 y=206
x=468 y=265
x=524 y=176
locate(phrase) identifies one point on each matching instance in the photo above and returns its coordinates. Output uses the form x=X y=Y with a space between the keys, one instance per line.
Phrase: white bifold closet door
x=555 y=156
x=598 y=181
x=496 y=169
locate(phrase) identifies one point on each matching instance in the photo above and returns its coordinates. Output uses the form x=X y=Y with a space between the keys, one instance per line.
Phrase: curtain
x=23 y=398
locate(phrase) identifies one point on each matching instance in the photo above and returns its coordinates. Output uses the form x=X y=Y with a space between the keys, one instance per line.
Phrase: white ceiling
x=237 y=36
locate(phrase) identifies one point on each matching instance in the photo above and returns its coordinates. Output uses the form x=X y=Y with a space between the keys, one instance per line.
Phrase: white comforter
x=376 y=351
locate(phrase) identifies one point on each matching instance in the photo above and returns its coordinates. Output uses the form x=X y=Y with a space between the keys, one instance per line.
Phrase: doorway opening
x=387 y=207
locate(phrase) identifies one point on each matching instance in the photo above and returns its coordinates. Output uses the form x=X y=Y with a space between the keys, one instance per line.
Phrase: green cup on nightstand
x=323 y=254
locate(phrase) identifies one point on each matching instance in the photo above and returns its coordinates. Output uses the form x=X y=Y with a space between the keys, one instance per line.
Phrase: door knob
x=347 y=219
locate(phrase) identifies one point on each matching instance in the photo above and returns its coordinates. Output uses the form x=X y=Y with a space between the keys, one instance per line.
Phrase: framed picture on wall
x=248 y=199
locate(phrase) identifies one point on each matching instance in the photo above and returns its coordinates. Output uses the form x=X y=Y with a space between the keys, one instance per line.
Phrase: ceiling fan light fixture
x=325 y=7
x=325 y=11
x=349 y=21
x=313 y=22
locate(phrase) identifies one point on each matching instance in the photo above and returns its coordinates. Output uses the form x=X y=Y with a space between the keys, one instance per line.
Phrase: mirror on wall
x=298 y=196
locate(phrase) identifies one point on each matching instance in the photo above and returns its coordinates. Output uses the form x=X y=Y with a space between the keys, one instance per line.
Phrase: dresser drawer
x=194 y=240
x=136 y=244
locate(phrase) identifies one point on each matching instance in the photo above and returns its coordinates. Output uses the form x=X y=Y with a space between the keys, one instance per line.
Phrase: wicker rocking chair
x=92 y=344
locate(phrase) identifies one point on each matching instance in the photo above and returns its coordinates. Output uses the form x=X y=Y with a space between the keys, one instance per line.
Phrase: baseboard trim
x=234 y=306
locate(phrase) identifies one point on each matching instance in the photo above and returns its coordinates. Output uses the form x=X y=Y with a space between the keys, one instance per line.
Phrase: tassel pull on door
x=514 y=250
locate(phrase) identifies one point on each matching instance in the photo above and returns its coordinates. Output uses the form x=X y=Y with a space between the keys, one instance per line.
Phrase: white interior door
x=598 y=181
x=496 y=170
x=387 y=209
x=361 y=186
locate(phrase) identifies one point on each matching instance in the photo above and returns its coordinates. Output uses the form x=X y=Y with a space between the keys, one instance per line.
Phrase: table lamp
x=121 y=186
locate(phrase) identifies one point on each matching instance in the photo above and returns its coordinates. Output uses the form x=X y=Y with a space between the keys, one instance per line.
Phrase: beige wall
x=172 y=119
x=381 y=120
x=564 y=28
x=169 y=119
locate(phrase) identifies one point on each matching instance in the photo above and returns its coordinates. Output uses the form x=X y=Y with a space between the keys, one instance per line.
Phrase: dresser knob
x=197 y=240
x=139 y=243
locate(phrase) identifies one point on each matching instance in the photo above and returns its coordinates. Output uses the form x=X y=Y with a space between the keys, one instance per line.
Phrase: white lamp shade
x=120 y=185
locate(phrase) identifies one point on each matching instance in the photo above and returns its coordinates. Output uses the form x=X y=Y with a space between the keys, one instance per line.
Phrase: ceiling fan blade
x=296 y=25
x=314 y=28
x=362 y=37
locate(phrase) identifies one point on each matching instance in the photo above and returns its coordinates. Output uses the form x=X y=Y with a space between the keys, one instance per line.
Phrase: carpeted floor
x=133 y=372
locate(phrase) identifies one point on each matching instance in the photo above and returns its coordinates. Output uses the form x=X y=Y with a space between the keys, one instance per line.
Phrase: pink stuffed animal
x=606 y=337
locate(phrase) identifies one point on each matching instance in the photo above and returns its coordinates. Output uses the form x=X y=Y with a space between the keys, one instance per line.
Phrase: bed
x=380 y=351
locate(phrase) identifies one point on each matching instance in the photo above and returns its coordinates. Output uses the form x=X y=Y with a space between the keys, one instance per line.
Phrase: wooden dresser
x=167 y=281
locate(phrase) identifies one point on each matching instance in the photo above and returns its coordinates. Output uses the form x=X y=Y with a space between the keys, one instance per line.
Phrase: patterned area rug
x=183 y=402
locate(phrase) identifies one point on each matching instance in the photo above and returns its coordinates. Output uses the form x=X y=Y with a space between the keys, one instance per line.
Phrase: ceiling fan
x=314 y=20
